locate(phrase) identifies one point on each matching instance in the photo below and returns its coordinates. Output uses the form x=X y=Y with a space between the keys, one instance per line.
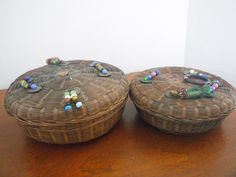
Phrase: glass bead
x=72 y=92
x=215 y=85
x=68 y=108
x=24 y=84
x=191 y=71
x=56 y=61
x=99 y=67
x=153 y=73
x=33 y=86
x=104 y=71
x=78 y=104
x=149 y=77
x=27 y=78
x=157 y=72
x=145 y=78
x=66 y=94
x=211 y=89
x=67 y=100
x=74 y=98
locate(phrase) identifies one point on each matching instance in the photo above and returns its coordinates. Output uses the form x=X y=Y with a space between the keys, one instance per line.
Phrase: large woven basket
x=175 y=115
x=42 y=114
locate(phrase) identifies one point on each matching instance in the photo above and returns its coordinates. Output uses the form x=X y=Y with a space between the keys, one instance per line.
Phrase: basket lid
x=152 y=96
x=97 y=94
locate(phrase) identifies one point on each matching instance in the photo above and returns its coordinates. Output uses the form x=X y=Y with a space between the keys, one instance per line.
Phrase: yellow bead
x=75 y=97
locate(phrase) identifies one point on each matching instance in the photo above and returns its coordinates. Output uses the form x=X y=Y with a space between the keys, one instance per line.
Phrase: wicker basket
x=42 y=114
x=175 y=115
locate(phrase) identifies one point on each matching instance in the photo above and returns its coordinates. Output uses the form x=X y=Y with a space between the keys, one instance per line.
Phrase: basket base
x=178 y=126
x=95 y=129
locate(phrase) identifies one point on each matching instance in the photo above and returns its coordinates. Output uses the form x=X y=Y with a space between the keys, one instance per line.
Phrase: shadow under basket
x=176 y=115
x=51 y=114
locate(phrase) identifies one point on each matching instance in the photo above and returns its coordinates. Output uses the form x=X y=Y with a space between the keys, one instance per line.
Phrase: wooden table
x=131 y=149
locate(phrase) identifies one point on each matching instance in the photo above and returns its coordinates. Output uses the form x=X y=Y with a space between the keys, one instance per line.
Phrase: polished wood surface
x=131 y=149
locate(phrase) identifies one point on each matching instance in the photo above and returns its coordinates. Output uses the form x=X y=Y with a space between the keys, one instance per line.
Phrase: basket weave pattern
x=180 y=116
x=42 y=114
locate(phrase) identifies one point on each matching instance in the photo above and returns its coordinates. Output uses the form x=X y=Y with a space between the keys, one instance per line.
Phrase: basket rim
x=157 y=114
x=76 y=121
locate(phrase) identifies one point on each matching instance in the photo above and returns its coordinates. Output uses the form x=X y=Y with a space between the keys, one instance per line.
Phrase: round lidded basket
x=197 y=111
x=47 y=116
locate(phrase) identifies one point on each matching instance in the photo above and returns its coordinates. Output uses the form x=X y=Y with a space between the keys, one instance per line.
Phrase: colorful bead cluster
x=103 y=71
x=148 y=78
x=196 y=92
x=54 y=61
x=214 y=86
x=194 y=74
x=71 y=98
x=25 y=83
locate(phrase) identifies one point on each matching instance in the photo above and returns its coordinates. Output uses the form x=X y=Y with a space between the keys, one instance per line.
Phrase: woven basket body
x=42 y=114
x=175 y=115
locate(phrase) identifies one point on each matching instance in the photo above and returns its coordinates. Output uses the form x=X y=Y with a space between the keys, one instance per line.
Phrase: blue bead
x=68 y=108
x=212 y=89
x=149 y=77
x=27 y=78
x=33 y=86
x=104 y=71
x=78 y=104
x=157 y=72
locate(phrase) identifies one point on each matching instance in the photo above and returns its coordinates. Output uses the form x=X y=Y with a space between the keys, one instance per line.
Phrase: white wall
x=131 y=34
x=211 y=37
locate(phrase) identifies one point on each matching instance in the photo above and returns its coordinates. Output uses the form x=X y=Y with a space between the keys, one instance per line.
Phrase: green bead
x=72 y=92
x=66 y=93
x=55 y=61
x=209 y=91
x=145 y=78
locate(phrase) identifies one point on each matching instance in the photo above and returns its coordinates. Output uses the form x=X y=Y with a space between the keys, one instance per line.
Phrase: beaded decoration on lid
x=207 y=89
x=103 y=72
x=195 y=77
x=30 y=87
x=71 y=98
x=55 y=61
x=149 y=78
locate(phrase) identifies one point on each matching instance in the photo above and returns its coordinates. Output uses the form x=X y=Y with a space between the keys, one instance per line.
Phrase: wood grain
x=131 y=149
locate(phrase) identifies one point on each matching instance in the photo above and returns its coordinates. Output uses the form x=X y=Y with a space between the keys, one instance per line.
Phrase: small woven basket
x=175 y=115
x=42 y=115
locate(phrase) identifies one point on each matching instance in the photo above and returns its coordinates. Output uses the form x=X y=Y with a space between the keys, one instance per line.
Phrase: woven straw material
x=180 y=116
x=42 y=114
